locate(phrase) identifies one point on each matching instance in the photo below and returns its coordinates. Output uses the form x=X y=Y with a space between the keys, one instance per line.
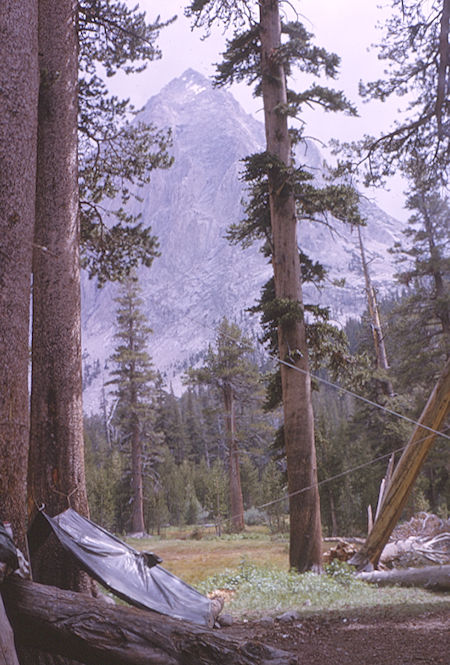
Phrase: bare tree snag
x=85 y=629
x=385 y=483
x=378 y=339
x=406 y=472
x=435 y=578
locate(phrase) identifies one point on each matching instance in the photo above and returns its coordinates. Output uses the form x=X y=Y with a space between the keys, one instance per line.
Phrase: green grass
x=253 y=569
x=266 y=590
x=195 y=560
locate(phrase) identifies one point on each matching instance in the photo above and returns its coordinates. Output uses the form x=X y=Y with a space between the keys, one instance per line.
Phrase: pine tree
x=419 y=322
x=175 y=481
x=264 y=52
x=212 y=439
x=134 y=380
x=56 y=468
x=104 y=476
x=117 y=152
x=213 y=491
x=19 y=84
x=273 y=490
x=192 y=425
x=56 y=461
x=169 y=421
x=415 y=49
x=229 y=371
x=424 y=269
x=415 y=363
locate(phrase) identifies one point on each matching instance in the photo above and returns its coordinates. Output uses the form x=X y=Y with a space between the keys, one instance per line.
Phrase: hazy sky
x=346 y=27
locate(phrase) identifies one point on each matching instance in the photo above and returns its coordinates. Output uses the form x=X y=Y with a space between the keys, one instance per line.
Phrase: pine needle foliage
x=117 y=153
x=133 y=373
x=326 y=343
x=415 y=50
x=134 y=378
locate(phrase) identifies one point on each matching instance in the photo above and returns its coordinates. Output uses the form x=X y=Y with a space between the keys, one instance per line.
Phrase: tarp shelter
x=134 y=576
x=8 y=553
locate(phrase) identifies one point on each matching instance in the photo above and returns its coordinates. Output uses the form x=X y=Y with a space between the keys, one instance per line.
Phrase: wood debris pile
x=424 y=539
x=421 y=525
x=343 y=551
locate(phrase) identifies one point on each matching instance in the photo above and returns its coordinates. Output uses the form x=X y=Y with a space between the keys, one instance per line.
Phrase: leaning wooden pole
x=406 y=472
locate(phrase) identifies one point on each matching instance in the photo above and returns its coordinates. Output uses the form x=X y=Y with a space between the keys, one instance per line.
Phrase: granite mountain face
x=199 y=277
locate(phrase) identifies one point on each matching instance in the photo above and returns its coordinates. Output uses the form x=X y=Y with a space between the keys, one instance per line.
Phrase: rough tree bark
x=19 y=83
x=56 y=464
x=137 y=487
x=237 y=503
x=94 y=633
x=305 y=550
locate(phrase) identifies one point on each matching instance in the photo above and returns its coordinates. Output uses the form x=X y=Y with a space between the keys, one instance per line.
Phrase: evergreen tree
x=116 y=151
x=214 y=492
x=273 y=489
x=234 y=377
x=265 y=51
x=169 y=421
x=105 y=471
x=110 y=35
x=419 y=322
x=424 y=270
x=193 y=426
x=212 y=439
x=56 y=459
x=134 y=380
x=250 y=482
x=331 y=457
x=372 y=432
x=19 y=84
x=415 y=48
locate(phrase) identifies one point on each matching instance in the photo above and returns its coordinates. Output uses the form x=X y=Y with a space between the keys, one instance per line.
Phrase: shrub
x=255 y=517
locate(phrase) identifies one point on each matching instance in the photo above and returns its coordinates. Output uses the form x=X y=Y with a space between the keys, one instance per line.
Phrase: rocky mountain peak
x=199 y=277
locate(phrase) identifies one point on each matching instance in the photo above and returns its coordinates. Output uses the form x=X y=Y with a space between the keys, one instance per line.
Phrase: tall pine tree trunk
x=19 y=83
x=137 y=489
x=334 y=529
x=56 y=463
x=305 y=551
x=237 y=503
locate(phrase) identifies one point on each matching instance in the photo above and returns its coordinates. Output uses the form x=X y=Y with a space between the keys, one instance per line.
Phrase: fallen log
x=434 y=578
x=90 y=631
x=8 y=654
x=416 y=551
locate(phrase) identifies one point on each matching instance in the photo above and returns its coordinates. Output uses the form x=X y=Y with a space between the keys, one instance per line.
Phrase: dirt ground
x=374 y=639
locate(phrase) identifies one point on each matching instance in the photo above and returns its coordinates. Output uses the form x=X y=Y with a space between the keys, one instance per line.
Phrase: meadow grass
x=195 y=560
x=253 y=570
